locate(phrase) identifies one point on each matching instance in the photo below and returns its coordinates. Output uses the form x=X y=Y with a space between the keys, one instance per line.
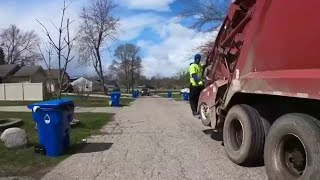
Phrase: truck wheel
x=292 y=148
x=244 y=135
x=205 y=114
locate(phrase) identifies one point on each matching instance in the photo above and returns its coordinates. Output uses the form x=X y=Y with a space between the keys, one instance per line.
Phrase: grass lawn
x=26 y=163
x=79 y=101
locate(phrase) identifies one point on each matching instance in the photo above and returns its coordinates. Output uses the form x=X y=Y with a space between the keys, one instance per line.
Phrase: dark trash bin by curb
x=115 y=99
x=135 y=94
x=185 y=96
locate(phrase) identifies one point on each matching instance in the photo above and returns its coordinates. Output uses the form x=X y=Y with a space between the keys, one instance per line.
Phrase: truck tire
x=244 y=135
x=205 y=114
x=292 y=148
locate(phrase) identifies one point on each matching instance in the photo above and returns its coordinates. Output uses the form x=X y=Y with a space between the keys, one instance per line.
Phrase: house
x=53 y=79
x=29 y=74
x=6 y=71
x=139 y=88
x=109 y=85
x=82 y=85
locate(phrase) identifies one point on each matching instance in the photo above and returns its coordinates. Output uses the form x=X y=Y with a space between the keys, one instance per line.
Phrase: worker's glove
x=200 y=83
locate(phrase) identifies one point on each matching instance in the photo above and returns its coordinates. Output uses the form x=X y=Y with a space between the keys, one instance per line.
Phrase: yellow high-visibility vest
x=198 y=70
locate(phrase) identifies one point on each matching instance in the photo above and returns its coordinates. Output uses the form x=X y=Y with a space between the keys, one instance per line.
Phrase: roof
x=81 y=80
x=27 y=71
x=74 y=79
x=7 y=69
x=54 y=73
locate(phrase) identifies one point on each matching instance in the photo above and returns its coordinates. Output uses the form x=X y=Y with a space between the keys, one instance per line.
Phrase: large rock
x=14 y=138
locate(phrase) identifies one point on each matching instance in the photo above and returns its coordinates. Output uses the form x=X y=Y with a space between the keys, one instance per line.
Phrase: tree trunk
x=105 y=91
x=128 y=86
x=132 y=78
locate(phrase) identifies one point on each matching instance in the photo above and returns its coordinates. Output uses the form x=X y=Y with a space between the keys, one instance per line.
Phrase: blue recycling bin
x=169 y=94
x=53 y=123
x=185 y=96
x=135 y=94
x=115 y=99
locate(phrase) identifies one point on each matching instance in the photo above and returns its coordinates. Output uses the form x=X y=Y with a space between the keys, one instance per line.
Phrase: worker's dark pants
x=194 y=97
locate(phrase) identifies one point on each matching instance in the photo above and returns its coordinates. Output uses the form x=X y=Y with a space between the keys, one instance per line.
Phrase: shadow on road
x=83 y=148
x=215 y=134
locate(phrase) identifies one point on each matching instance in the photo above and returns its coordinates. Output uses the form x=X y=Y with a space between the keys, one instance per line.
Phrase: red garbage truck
x=264 y=88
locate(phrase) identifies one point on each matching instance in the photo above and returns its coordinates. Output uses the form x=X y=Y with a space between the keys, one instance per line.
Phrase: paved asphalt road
x=154 y=139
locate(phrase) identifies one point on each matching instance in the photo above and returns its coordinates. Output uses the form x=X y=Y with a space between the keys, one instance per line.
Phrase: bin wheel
x=244 y=135
x=38 y=149
x=292 y=148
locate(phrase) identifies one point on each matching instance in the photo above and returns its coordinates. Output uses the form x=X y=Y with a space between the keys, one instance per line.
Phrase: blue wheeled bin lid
x=53 y=103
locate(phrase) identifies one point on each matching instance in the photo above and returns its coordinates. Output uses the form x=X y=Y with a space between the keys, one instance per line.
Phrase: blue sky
x=166 y=43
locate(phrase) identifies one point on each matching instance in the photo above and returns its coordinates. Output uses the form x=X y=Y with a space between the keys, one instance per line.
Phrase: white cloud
x=45 y=12
x=175 y=52
x=132 y=26
x=157 y=5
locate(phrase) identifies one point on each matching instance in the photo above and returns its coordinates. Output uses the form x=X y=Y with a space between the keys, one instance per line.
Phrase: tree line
x=178 y=81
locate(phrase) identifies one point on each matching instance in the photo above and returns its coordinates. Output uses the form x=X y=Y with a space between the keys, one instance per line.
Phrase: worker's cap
x=197 y=57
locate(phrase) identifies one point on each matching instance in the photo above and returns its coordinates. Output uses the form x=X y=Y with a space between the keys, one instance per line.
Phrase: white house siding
x=82 y=85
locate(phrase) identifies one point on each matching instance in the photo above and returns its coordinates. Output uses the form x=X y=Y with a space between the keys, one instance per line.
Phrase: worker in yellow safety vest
x=196 y=83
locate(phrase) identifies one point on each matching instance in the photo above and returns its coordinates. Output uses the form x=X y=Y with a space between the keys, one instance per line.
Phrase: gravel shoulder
x=155 y=138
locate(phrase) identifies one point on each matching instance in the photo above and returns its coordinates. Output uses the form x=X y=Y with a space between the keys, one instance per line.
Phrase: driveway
x=154 y=139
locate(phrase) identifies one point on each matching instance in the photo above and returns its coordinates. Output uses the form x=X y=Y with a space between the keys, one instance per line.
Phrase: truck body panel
x=264 y=86
x=268 y=47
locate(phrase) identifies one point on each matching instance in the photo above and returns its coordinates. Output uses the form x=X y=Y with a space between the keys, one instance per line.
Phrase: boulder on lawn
x=14 y=138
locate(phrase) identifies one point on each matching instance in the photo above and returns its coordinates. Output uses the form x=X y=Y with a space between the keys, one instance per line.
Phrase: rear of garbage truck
x=265 y=86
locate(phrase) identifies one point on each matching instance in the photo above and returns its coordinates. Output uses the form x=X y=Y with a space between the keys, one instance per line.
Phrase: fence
x=21 y=92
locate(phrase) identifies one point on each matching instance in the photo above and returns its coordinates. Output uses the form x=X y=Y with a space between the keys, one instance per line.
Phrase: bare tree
x=206 y=47
x=19 y=47
x=98 y=26
x=128 y=65
x=207 y=14
x=62 y=46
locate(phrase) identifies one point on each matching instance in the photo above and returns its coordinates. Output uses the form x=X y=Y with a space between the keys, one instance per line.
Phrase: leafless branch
x=63 y=46
x=207 y=14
